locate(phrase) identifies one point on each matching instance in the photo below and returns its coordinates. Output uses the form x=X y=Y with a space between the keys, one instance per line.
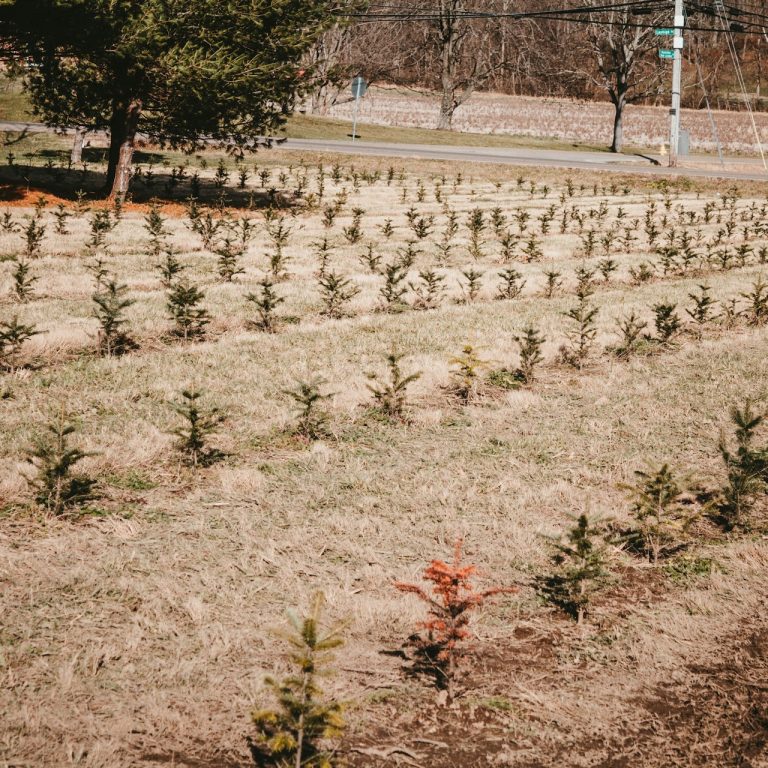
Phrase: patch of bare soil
x=711 y=715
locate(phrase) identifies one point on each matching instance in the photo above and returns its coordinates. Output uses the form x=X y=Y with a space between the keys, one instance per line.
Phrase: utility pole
x=677 y=78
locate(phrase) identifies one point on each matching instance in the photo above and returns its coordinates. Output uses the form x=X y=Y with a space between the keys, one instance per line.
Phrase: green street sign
x=663 y=54
x=664 y=32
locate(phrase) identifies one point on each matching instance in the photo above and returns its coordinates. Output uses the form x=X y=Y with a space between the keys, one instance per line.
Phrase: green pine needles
x=299 y=732
x=746 y=468
x=312 y=419
x=56 y=487
x=111 y=304
x=390 y=394
x=183 y=303
x=581 y=569
x=13 y=335
x=266 y=301
x=198 y=424
x=660 y=516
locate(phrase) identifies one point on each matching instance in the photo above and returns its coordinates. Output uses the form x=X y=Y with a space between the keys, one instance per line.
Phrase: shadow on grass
x=50 y=173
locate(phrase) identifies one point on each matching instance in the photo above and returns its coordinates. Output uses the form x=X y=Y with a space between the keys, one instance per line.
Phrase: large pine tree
x=177 y=70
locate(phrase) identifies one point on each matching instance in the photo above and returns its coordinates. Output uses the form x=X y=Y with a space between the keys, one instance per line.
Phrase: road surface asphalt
x=743 y=169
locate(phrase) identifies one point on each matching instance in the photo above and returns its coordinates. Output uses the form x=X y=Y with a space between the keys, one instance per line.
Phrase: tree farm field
x=140 y=620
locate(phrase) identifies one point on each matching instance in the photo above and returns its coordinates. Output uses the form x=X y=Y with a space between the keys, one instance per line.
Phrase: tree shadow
x=49 y=171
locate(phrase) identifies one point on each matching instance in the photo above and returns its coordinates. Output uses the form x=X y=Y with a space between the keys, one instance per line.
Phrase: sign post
x=677 y=74
x=359 y=87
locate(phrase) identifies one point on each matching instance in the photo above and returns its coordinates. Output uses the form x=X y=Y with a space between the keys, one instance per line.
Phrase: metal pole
x=677 y=78
x=354 y=119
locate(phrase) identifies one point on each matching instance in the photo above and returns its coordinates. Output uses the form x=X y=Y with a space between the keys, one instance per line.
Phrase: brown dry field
x=138 y=631
x=558 y=118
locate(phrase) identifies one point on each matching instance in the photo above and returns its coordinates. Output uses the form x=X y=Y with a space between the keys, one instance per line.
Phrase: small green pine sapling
x=56 y=488
x=371 y=258
x=642 y=273
x=659 y=513
x=394 y=288
x=299 y=732
x=183 y=304
x=169 y=268
x=13 y=335
x=756 y=310
x=607 y=267
x=111 y=303
x=23 y=281
x=730 y=312
x=466 y=374
x=154 y=223
x=34 y=233
x=336 y=292
x=429 y=290
x=532 y=249
x=511 y=285
x=197 y=426
x=530 y=343
x=266 y=302
x=746 y=467
x=553 y=284
x=581 y=569
x=228 y=262
x=61 y=215
x=476 y=225
x=703 y=303
x=666 y=321
x=312 y=420
x=581 y=336
x=451 y=601
x=390 y=394
x=471 y=290
x=386 y=229
x=630 y=329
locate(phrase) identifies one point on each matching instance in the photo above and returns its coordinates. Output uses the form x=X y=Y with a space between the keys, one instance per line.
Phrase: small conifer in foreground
x=746 y=467
x=198 y=425
x=299 y=732
x=389 y=395
x=56 y=488
x=312 y=420
x=581 y=569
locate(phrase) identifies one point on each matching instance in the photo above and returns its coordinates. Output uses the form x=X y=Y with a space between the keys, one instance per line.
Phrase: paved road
x=735 y=168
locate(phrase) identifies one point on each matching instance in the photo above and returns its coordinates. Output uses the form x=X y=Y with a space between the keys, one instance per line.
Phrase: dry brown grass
x=140 y=632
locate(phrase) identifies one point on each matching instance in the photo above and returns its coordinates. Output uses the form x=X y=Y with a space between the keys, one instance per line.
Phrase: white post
x=677 y=77
x=354 y=119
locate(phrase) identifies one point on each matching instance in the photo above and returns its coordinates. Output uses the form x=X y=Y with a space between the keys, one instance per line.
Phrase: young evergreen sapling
x=300 y=730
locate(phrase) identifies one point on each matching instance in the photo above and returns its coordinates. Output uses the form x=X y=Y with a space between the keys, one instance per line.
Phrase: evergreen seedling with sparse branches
x=183 y=304
x=56 y=488
x=299 y=731
x=469 y=366
x=312 y=420
x=389 y=394
x=198 y=425
x=23 y=281
x=660 y=515
x=111 y=304
x=13 y=334
x=266 y=302
x=336 y=292
x=581 y=569
x=746 y=467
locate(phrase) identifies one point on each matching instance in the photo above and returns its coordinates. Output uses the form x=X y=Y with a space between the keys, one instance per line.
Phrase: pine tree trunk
x=123 y=127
